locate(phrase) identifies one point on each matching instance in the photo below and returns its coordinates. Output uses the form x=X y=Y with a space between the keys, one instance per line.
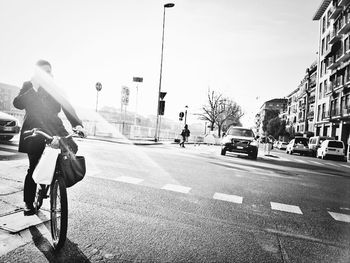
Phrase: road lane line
x=286 y=208
x=332 y=164
x=128 y=179
x=340 y=217
x=314 y=162
x=229 y=198
x=177 y=188
x=343 y=165
x=300 y=161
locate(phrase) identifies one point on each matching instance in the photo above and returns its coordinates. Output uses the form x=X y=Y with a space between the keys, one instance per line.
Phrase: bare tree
x=230 y=115
x=220 y=111
x=210 y=111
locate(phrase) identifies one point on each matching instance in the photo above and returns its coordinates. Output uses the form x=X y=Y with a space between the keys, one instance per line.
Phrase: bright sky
x=244 y=49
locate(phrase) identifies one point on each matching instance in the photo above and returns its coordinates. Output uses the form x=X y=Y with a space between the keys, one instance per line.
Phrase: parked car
x=315 y=143
x=240 y=140
x=282 y=145
x=9 y=126
x=298 y=145
x=331 y=148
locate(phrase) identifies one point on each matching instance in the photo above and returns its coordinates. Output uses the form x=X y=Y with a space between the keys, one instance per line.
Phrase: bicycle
x=57 y=191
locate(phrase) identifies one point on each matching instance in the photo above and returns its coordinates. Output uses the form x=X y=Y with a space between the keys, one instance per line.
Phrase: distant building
x=333 y=70
x=274 y=104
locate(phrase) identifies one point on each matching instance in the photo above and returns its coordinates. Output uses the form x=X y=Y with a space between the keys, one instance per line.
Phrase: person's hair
x=42 y=62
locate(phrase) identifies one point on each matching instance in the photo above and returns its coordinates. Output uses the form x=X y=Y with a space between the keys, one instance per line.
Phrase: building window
x=320 y=91
x=328 y=19
x=325 y=85
x=323 y=24
x=322 y=47
x=319 y=113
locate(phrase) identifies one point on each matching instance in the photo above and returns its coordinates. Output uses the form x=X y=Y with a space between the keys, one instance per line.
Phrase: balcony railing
x=345 y=112
x=335 y=112
x=334 y=37
x=333 y=63
x=345 y=27
x=335 y=12
x=343 y=2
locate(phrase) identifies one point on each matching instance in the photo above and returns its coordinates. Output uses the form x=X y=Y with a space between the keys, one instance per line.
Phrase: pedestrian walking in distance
x=41 y=111
x=184 y=134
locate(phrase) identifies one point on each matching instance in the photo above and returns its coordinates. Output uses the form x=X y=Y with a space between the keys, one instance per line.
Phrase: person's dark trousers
x=29 y=184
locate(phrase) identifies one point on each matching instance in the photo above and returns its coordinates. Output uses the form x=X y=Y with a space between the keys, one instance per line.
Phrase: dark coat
x=41 y=112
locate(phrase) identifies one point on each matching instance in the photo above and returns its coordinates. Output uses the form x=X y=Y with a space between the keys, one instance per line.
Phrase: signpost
x=137 y=80
x=98 y=87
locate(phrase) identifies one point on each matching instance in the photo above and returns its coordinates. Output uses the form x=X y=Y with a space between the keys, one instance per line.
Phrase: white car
x=331 y=148
x=282 y=145
x=298 y=145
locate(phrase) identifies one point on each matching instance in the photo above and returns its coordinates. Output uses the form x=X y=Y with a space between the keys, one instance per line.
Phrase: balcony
x=333 y=63
x=335 y=12
x=343 y=2
x=345 y=112
x=345 y=27
x=334 y=37
x=334 y=113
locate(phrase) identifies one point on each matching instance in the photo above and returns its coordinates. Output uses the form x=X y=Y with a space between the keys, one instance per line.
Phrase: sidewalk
x=140 y=141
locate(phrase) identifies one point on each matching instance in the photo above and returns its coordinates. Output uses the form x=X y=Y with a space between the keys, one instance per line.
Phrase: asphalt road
x=164 y=203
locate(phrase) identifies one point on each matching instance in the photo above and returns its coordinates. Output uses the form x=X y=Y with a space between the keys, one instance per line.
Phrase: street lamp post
x=168 y=5
x=186 y=114
x=98 y=87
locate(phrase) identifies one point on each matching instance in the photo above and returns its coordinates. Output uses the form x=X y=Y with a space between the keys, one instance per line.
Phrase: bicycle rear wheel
x=59 y=212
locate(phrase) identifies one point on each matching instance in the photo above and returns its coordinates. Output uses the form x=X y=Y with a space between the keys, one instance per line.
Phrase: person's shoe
x=29 y=209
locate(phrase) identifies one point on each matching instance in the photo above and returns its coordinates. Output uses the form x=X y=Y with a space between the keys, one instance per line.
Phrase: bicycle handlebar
x=36 y=131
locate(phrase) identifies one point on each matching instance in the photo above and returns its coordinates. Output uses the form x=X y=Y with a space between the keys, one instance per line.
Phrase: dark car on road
x=9 y=126
x=240 y=140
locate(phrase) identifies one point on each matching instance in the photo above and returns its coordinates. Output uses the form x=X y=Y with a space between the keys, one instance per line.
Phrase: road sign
x=162 y=95
x=125 y=95
x=98 y=86
x=137 y=79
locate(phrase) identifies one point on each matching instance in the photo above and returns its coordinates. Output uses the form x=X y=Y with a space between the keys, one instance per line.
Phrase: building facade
x=332 y=116
x=274 y=104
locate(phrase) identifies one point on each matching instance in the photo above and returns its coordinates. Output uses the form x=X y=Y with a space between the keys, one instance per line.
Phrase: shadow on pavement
x=69 y=253
x=259 y=164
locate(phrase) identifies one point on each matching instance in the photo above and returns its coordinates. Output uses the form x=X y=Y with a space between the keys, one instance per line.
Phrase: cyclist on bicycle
x=41 y=111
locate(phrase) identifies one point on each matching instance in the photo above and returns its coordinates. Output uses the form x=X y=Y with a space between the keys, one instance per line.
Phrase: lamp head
x=169 y=5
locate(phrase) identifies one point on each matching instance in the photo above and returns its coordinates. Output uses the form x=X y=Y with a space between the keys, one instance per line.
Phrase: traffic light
x=181 y=115
x=161 y=107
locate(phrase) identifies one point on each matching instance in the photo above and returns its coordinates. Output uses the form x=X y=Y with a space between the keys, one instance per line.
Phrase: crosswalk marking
x=340 y=217
x=177 y=188
x=229 y=198
x=286 y=208
x=128 y=179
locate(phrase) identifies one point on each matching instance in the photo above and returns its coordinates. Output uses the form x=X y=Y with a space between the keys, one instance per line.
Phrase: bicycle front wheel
x=59 y=212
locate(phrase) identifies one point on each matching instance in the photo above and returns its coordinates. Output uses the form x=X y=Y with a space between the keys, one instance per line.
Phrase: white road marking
x=229 y=198
x=177 y=188
x=340 y=217
x=286 y=208
x=128 y=179
x=300 y=161
x=332 y=164
x=344 y=165
x=6 y=153
x=316 y=162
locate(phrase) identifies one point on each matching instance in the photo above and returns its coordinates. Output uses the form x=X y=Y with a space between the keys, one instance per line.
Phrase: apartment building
x=332 y=116
x=274 y=104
